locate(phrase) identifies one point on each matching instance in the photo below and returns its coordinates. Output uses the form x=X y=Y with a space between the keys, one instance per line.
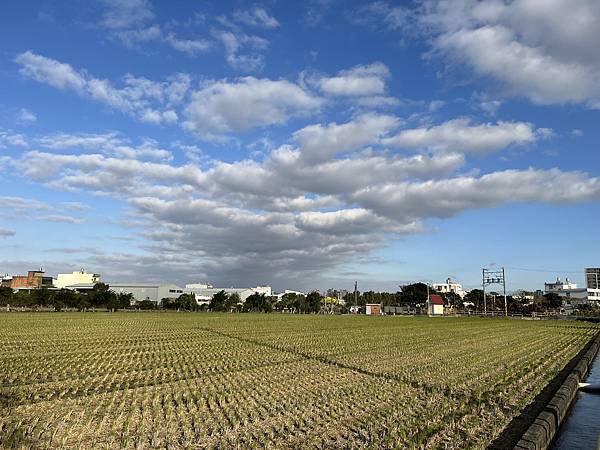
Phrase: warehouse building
x=205 y=292
x=147 y=291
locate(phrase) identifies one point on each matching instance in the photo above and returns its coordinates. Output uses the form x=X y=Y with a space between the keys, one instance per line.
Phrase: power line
x=544 y=270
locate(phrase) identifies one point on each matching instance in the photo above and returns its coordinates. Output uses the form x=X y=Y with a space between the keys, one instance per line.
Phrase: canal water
x=581 y=430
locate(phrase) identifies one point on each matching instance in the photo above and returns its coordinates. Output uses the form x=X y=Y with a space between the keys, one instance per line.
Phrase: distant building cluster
x=82 y=281
x=570 y=293
x=574 y=295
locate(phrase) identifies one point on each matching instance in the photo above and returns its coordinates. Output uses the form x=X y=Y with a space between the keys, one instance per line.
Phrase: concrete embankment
x=542 y=431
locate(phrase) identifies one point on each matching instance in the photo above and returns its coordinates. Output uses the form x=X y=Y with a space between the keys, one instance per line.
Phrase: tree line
x=411 y=296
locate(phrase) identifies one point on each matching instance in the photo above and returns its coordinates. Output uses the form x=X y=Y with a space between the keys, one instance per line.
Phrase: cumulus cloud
x=221 y=107
x=450 y=197
x=321 y=142
x=334 y=193
x=459 y=135
x=539 y=50
x=146 y=100
x=358 y=81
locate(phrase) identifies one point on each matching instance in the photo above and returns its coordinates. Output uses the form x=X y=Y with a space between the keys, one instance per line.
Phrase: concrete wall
x=540 y=434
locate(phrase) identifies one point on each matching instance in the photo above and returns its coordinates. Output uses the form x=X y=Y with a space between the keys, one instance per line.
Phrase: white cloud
x=242 y=51
x=50 y=71
x=256 y=17
x=109 y=143
x=222 y=107
x=59 y=218
x=334 y=194
x=189 y=46
x=146 y=100
x=320 y=143
x=22 y=204
x=25 y=116
x=539 y=50
x=358 y=81
x=8 y=138
x=459 y=135
x=450 y=197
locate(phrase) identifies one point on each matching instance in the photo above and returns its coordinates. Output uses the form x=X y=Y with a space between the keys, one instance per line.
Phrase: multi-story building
x=592 y=283
x=573 y=295
x=450 y=287
x=592 y=277
x=81 y=277
x=34 y=279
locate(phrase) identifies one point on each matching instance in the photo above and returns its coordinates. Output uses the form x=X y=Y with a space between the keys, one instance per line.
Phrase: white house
x=450 y=287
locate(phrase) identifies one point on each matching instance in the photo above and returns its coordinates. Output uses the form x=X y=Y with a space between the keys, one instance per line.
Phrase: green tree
x=41 y=296
x=453 y=299
x=313 y=302
x=187 y=302
x=6 y=296
x=258 y=303
x=414 y=294
x=552 y=300
x=233 y=302
x=475 y=296
x=102 y=296
x=218 y=301
x=146 y=304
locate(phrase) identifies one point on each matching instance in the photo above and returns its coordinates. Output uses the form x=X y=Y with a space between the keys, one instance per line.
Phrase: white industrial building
x=147 y=291
x=573 y=295
x=204 y=292
x=80 y=277
x=450 y=287
x=280 y=295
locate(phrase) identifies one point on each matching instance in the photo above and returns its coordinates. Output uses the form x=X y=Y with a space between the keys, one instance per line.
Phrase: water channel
x=581 y=430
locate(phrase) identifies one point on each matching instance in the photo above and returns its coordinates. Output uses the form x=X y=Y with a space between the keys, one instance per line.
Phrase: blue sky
x=300 y=144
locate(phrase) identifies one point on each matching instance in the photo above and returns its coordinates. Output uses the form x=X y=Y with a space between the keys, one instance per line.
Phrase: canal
x=581 y=430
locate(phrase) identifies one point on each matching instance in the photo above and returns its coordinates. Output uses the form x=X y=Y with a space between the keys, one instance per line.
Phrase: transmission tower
x=493 y=276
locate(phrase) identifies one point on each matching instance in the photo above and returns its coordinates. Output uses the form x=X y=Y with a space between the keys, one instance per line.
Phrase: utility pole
x=504 y=289
x=483 y=284
x=355 y=295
